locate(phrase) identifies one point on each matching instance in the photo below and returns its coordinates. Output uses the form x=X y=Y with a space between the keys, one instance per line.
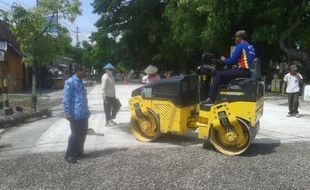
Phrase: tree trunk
x=1 y=86
x=34 y=86
x=294 y=54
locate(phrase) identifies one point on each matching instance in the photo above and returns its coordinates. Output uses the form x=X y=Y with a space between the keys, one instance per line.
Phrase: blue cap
x=109 y=66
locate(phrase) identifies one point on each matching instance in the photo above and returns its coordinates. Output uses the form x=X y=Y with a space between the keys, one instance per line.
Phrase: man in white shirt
x=292 y=81
x=108 y=95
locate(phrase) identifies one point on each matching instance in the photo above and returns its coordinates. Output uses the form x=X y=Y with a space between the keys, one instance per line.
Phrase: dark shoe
x=70 y=159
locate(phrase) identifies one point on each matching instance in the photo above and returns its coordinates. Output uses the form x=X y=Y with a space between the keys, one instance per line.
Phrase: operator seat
x=255 y=72
x=247 y=85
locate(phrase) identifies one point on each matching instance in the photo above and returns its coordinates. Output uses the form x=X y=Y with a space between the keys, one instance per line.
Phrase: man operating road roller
x=242 y=57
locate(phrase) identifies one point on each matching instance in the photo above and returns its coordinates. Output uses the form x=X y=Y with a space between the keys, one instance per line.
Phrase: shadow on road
x=98 y=154
x=92 y=132
x=262 y=148
x=125 y=127
x=268 y=147
x=304 y=116
x=179 y=140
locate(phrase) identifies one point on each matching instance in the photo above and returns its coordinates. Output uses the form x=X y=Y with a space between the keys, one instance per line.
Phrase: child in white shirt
x=292 y=81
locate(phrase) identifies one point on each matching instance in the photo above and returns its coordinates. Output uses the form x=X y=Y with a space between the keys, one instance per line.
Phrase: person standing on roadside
x=77 y=113
x=292 y=81
x=110 y=103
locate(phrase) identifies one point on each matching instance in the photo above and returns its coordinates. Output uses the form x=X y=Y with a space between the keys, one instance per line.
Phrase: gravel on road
x=262 y=166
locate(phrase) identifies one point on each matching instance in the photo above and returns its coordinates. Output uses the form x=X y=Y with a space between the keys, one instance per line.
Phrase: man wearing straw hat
x=110 y=103
x=152 y=74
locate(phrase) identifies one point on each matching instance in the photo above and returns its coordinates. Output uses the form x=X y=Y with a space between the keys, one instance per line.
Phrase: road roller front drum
x=228 y=143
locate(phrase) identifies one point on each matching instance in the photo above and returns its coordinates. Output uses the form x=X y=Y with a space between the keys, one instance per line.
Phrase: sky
x=85 y=22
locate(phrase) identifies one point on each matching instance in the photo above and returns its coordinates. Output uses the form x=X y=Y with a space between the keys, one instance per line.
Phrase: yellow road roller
x=173 y=106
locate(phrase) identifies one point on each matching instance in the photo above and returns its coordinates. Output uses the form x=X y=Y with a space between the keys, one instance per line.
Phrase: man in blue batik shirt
x=77 y=113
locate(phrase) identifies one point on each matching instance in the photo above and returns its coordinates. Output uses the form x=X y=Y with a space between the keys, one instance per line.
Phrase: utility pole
x=57 y=19
x=77 y=36
x=57 y=23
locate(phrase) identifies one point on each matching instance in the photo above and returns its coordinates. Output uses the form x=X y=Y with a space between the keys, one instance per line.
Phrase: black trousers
x=110 y=108
x=293 y=102
x=77 y=137
x=222 y=76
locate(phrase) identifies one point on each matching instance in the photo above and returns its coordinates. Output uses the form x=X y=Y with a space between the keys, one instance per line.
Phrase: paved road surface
x=275 y=127
x=51 y=135
x=261 y=167
x=31 y=156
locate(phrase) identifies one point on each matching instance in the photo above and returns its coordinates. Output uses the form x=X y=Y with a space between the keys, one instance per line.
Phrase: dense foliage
x=173 y=33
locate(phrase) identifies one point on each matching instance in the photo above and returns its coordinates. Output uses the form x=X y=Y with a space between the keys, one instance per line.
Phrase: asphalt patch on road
x=263 y=166
x=4 y=146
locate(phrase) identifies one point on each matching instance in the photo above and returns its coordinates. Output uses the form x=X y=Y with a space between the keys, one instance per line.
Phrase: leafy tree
x=108 y=49
x=67 y=9
x=175 y=32
x=271 y=25
x=31 y=29
x=63 y=42
x=285 y=23
x=83 y=54
x=137 y=28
